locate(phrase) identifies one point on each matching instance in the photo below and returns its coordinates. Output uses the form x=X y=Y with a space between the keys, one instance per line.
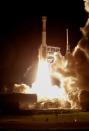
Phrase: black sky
x=20 y=33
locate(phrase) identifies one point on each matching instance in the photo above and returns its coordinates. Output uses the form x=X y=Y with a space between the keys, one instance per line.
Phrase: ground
x=46 y=120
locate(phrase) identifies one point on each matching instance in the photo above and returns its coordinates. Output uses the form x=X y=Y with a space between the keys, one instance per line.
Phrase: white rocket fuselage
x=43 y=47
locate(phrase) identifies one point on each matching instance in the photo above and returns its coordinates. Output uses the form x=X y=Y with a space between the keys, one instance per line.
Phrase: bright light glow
x=67 y=91
x=43 y=87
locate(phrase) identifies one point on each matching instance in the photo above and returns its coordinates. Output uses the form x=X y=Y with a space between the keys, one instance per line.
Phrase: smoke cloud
x=21 y=88
x=81 y=55
x=76 y=71
x=86 y=4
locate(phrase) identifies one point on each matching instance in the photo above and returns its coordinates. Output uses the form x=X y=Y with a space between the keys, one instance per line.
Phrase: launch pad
x=45 y=120
x=43 y=94
x=48 y=95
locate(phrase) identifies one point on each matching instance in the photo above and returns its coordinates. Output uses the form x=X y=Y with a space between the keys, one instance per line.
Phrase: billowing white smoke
x=66 y=68
x=81 y=56
x=86 y=4
x=21 y=88
x=77 y=73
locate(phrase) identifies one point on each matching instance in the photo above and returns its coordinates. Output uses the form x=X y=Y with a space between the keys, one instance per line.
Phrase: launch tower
x=46 y=52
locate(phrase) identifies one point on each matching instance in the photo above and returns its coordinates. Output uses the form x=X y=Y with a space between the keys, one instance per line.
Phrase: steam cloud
x=77 y=73
x=86 y=4
x=21 y=88
x=81 y=56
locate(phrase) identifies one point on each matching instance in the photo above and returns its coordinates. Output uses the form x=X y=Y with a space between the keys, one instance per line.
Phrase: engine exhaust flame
x=43 y=87
x=65 y=93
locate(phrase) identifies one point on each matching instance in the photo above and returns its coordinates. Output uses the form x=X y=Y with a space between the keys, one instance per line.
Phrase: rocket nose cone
x=44 y=18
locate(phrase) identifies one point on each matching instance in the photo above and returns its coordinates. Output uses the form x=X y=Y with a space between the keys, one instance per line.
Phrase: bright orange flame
x=43 y=87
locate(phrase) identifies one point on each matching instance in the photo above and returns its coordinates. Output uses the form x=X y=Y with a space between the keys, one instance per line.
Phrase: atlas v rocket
x=43 y=47
x=67 y=43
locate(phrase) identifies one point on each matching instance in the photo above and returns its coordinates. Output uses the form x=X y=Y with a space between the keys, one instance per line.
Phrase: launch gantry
x=46 y=51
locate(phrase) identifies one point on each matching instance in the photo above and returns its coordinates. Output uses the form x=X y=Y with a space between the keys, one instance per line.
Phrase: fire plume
x=43 y=86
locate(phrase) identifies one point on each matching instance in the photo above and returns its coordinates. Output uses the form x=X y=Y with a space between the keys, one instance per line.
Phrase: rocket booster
x=43 y=47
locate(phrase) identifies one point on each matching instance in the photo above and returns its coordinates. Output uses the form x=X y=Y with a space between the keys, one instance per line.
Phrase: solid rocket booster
x=43 y=47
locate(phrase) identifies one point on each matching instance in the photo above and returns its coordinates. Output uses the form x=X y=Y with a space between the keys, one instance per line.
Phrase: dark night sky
x=20 y=33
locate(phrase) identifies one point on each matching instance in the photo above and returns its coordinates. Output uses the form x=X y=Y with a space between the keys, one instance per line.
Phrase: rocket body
x=43 y=47
x=42 y=52
x=67 y=46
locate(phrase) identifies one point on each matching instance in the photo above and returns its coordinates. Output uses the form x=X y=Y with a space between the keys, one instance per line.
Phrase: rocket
x=67 y=43
x=43 y=47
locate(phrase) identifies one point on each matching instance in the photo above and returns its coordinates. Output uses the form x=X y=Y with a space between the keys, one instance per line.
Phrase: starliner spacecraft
x=43 y=47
